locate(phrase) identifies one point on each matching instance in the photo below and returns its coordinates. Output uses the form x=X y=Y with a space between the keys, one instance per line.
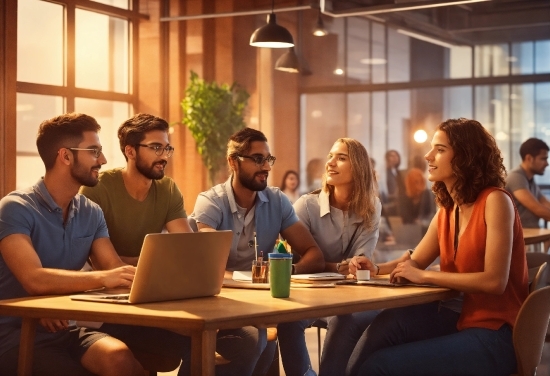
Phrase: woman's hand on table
x=407 y=271
x=363 y=263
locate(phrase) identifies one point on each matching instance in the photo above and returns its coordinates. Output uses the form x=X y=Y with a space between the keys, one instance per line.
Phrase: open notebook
x=174 y=266
x=384 y=280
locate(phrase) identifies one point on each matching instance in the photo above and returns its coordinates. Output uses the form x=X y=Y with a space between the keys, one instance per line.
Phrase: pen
x=255 y=247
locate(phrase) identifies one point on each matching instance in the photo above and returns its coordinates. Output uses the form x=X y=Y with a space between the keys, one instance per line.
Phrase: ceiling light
x=339 y=71
x=288 y=62
x=271 y=35
x=319 y=29
x=425 y=38
x=420 y=136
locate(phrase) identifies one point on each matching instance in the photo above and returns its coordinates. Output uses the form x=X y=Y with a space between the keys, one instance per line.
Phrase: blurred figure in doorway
x=394 y=183
x=290 y=185
x=417 y=203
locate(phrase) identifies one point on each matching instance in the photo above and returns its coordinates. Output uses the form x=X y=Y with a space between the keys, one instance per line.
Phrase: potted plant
x=213 y=113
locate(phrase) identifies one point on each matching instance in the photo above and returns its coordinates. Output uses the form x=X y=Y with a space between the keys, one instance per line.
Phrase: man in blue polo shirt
x=47 y=233
x=246 y=205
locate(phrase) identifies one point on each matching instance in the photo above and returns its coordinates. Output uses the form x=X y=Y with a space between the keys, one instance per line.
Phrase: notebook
x=174 y=266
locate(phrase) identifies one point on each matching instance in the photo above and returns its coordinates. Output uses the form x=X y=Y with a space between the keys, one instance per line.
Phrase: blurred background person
x=290 y=185
x=417 y=203
x=394 y=183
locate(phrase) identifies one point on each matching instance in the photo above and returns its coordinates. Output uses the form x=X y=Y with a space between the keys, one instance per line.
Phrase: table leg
x=203 y=349
x=26 y=346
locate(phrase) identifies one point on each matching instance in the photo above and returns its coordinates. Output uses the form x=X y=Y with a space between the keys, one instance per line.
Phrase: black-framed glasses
x=259 y=160
x=159 y=149
x=95 y=151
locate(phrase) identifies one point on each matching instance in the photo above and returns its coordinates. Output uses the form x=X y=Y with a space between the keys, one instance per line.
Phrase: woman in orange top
x=478 y=237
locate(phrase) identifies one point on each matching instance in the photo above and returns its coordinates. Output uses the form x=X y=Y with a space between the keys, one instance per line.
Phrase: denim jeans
x=343 y=332
x=423 y=340
x=292 y=344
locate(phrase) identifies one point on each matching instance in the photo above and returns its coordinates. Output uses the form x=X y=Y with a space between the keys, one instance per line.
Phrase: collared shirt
x=517 y=179
x=218 y=209
x=333 y=228
x=34 y=213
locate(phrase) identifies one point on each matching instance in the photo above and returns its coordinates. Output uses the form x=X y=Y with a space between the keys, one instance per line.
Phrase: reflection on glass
x=358 y=57
x=522 y=58
x=31 y=110
x=457 y=102
x=542 y=56
x=492 y=60
x=359 y=118
x=379 y=138
x=398 y=57
x=102 y=52
x=459 y=62
x=110 y=115
x=116 y=3
x=378 y=52
x=40 y=42
x=523 y=118
x=492 y=109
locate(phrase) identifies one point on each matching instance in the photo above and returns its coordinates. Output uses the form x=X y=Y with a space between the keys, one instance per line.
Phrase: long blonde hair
x=363 y=190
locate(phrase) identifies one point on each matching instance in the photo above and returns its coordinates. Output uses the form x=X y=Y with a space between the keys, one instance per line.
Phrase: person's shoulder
x=16 y=198
x=108 y=176
x=165 y=182
x=87 y=205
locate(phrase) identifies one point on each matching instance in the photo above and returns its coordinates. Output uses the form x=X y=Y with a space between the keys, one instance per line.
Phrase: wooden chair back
x=530 y=331
x=540 y=279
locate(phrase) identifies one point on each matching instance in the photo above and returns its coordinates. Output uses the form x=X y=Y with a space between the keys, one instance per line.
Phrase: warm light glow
x=339 y=71
x=420 y=136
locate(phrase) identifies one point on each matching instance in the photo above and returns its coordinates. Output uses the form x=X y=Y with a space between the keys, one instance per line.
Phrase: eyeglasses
x=95 y=151
x=259 y=160
x=159 y=149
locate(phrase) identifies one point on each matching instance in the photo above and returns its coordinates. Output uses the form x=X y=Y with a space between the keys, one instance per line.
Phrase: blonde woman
x=343 y=217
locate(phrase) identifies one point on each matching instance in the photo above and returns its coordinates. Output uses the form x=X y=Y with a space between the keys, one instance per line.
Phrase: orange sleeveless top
x=483 y=310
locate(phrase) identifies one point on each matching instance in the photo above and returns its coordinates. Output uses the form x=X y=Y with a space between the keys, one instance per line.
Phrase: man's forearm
x=310 y=262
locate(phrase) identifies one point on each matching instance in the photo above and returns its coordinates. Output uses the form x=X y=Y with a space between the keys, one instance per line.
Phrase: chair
x=535 y=259
x=540 y=278
x=319 y=324
x=530 y=329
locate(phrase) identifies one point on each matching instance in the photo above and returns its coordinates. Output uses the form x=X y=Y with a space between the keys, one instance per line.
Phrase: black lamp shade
x=288 y=62
x=271 y=35
x=319 y=29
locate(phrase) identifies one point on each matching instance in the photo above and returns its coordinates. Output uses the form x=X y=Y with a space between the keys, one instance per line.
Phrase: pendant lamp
x=271 y=35
x=288 y=62
x=319 y=29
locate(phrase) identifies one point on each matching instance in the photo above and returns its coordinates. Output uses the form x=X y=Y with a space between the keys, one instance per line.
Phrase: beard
x=149 y=171
x=84 y=176
x=249 y=181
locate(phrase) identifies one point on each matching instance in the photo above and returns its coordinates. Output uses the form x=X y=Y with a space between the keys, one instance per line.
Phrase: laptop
x=385 y=281
x=174 y=266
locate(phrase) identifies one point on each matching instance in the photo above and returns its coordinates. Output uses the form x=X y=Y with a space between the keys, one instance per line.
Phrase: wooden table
x=536 y=235
x=201 y=318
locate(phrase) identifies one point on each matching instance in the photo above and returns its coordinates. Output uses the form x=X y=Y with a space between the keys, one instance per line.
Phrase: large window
x=72 y=59
x=483 y=82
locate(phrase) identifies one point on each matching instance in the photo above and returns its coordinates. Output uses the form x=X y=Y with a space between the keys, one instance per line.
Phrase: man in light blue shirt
x=47 y=233
x=246 y=205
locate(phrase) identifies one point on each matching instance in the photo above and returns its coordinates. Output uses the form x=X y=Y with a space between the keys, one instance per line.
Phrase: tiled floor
x=311 y=340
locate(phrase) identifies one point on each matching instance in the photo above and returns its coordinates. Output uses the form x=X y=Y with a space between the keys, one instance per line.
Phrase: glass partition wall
x=73 y=55
x=394 y=85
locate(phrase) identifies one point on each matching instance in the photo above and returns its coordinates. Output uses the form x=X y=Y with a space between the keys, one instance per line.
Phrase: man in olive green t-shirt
x=138 y=199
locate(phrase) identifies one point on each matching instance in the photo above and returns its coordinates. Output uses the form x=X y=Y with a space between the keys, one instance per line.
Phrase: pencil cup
x=362 y=274
x=279 y=275
x=260 y=271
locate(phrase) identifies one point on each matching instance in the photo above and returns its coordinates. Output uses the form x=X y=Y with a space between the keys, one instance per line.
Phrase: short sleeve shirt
x=128 y=219
x=516 y=180
x=34 y=213
x=333 y=228
x=218 y=209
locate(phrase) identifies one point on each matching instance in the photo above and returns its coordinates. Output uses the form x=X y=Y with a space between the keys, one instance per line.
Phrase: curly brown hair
x=477 y=162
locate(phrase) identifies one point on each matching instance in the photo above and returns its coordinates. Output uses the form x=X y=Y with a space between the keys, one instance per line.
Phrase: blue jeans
x=242 y=347
x=292 y=344
x=343 y=332
x=423 y=340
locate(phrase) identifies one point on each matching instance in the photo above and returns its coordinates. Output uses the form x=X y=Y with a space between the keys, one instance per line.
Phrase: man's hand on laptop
x=118 y=277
